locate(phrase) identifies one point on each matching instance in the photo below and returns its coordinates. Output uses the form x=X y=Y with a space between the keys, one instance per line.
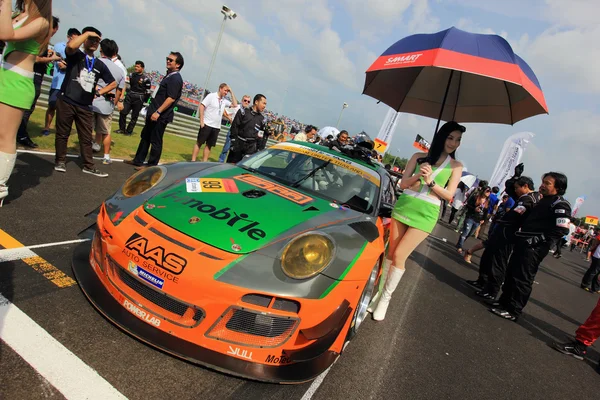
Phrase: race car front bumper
x=307 y=365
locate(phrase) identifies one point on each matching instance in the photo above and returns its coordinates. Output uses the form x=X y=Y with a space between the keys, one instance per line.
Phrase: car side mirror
x=385 y=210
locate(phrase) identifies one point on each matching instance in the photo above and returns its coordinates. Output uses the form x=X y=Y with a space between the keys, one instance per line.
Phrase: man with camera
x=104 y=106
x=77 y=93
x=247 y=129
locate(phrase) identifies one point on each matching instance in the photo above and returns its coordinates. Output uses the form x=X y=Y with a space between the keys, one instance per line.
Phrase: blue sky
x=308 y=57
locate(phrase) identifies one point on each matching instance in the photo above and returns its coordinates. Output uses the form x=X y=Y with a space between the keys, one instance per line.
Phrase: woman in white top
x=459 y=198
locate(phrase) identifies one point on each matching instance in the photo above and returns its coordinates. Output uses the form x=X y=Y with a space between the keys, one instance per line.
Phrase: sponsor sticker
x=274 y=188
x=141 y=314
x=145 y=275
x=560 y=211
x=241 y=353
x=192 y=185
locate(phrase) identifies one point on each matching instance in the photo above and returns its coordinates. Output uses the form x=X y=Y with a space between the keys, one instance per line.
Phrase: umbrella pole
x=444 y=101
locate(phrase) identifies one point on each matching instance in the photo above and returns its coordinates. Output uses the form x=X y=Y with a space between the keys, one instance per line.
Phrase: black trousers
x=133 y=103
x=522 y=268
x=239 y=149
x=590 y=279
x=559 y=247
x=22 y=132
x=152 y=139
x=495 y=262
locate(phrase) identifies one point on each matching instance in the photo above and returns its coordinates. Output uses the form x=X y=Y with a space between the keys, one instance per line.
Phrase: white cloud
x=422 y=20
x=568 y=58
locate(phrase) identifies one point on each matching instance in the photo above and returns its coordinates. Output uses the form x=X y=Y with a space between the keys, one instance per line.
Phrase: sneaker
x=45 y=132
x=107 y=161
x=485 y=295
x=119 y=131
x=60 y=167
x=575 y=349
x=503 y=314
x=468 y=257
x=475 y=284
x=96 y=147
x=95 y=172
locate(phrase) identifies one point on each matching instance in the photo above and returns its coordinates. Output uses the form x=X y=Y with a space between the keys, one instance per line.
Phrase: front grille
x=251 y=328
x=160 y=299
x=258 y=324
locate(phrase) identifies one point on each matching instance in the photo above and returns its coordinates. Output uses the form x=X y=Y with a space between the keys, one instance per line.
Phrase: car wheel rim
x=365 y=298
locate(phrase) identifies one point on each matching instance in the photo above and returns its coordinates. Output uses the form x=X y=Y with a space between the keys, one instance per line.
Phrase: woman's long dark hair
x=439 y=139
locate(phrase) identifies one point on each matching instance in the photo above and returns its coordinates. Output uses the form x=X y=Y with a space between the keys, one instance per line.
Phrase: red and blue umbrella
x=456 y=75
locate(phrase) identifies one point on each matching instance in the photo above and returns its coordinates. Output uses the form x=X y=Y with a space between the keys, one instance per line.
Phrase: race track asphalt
x=438 y=340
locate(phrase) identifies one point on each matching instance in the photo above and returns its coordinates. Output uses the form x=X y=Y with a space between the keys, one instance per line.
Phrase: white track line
x=20 y=253
x=315 y=384
x=47 y=153
x=59 y=366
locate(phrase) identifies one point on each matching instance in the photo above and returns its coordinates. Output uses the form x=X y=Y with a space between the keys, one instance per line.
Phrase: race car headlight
x=143 y=181
x=307 y=255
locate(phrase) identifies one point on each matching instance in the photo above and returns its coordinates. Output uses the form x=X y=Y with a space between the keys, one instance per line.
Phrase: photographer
x=103 y=106
x=247 y=129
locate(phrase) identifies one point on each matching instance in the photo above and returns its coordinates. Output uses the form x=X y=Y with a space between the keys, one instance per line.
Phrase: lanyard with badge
x=87 y=77
x=158 y=86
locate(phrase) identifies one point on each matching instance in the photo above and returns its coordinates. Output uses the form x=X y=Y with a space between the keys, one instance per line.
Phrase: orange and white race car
x=262 y=269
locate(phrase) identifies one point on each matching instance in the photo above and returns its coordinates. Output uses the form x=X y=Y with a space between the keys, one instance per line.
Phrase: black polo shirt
x=171 y=86
x=81 y=78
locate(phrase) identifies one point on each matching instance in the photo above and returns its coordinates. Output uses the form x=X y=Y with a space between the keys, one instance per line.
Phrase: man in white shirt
x=211 y=113
x=103 y=106
x=308 y=134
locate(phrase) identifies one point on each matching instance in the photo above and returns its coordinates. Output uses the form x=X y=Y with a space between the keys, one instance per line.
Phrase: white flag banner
x=384 y=138
x=509 y=158
x=578 y=203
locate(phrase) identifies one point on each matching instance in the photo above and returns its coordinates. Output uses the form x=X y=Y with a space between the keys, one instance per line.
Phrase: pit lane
x=437 y=340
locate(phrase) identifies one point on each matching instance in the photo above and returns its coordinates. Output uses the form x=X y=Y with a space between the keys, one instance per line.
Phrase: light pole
x=344 y=106
x=228 y=13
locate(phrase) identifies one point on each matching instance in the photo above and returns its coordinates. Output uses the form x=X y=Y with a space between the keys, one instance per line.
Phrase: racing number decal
x=207 y=185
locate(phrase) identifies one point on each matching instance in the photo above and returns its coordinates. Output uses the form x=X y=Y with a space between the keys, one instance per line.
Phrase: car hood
x=234 y=210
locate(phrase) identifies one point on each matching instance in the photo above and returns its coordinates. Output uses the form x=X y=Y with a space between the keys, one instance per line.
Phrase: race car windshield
x=321 y=177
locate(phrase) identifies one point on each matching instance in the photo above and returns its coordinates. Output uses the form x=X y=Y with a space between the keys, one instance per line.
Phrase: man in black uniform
x=39 y=70
x=247 y=128
x=137 y=95
x=499 y=245
x=160 y=113
x=545 y=225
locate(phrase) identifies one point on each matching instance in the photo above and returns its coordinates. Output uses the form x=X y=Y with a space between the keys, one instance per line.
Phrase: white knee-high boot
x=391 y=283
x=384 y=273
x=7 y=163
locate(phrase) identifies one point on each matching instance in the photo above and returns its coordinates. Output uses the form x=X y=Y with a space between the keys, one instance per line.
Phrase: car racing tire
x=367 y=294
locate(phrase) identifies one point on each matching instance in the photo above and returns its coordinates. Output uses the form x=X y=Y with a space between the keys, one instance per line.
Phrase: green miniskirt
x=417 y=210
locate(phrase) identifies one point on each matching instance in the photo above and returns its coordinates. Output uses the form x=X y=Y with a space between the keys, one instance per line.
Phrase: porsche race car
x=262 y=269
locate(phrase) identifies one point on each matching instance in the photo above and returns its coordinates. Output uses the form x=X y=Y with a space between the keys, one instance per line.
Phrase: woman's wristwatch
x=431 y=184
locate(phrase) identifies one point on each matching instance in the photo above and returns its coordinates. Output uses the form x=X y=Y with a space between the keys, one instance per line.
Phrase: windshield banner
x=339 y=161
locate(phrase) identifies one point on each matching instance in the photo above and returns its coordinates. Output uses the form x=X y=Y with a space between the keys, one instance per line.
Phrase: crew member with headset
x=137 y=95
x=248 y=129
x=545 y=225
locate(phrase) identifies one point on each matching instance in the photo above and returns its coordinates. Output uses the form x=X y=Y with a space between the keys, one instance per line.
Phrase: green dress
x=418 y=209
